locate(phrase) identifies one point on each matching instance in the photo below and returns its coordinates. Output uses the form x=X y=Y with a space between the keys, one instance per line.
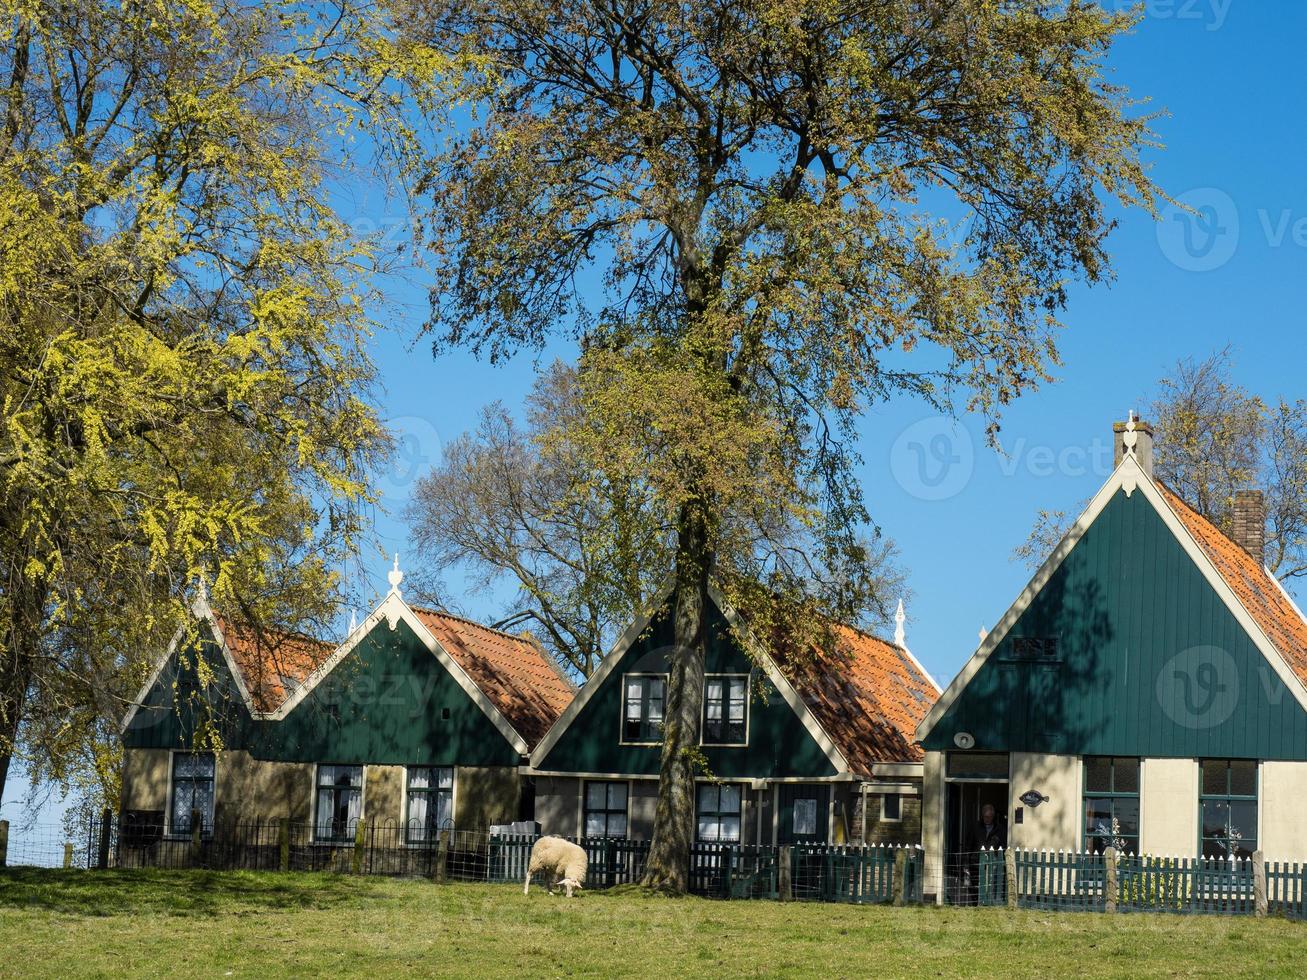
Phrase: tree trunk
x=668 y=866
x=15 y=676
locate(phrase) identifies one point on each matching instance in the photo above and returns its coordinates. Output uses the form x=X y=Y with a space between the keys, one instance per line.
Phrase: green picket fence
x=832 y=873
x=1085 y=882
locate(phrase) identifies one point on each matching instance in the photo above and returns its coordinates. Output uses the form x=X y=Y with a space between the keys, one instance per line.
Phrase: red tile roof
x=1256 y=589
x=869 y=695
x=272 y=662
x=516 y=675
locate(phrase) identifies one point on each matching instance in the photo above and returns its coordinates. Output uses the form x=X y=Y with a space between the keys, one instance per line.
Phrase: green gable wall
x=160 y=724
x=779 y=744
x=1150 y=661
x=384 y=703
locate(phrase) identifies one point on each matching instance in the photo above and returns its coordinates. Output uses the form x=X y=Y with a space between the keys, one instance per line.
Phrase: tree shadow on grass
x=181 y=893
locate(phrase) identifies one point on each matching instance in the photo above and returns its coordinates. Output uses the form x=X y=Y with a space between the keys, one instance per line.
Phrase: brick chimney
x=1143 y=443
x=1248 y=523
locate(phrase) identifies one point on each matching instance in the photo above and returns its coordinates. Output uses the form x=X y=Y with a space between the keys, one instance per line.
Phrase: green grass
x=78 y=923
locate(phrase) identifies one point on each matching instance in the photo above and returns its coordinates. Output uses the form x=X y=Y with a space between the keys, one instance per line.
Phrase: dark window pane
x=617 y=796
x=892 y=806
x=1243 y=822
x=1125 y=775
x=1215 y=772
x=1216 y=818
x=616 y=825
x=594 y=795
x=1098 y=774
x=1243 y=778
x=594 y=825
x=992 y=765
x=1126 y=812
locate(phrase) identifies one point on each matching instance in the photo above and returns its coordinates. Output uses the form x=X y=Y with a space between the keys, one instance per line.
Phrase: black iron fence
x=817 y=872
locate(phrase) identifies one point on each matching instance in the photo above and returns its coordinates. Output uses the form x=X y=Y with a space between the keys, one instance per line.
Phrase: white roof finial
x=353 y=621
x=395 y=576
x=984 y=634
x=900 y=637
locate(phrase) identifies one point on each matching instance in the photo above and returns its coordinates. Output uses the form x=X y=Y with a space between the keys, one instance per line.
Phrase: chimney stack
x=1248 y=523
x=1142 y=443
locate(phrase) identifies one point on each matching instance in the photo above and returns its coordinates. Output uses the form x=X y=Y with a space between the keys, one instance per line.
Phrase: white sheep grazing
x=562 y=863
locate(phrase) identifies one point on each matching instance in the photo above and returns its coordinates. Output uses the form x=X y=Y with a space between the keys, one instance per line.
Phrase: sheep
x=562 y=862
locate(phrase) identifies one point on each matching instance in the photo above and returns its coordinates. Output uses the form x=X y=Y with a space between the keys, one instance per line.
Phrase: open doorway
x=965 y=833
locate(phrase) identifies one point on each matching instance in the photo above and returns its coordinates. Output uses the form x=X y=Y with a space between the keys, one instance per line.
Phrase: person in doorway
x=989 y=833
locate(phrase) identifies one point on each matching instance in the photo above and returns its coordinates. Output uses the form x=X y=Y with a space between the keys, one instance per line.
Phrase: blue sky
x=1184 y=286
x=1226 y=72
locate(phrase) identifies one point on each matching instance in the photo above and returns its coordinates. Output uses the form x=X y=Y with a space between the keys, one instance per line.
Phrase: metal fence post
x=1010 y=877
x=283 y=843
x=1109 y=880
x=195 y=838
x=106 y=832
x=4 y=842
x=360 y=834
x=1259 y=883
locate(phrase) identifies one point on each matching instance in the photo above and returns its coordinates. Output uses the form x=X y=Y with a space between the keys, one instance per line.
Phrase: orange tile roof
x=516 y=675
x=869 y=696
x=272 y=662
x=1256 y=589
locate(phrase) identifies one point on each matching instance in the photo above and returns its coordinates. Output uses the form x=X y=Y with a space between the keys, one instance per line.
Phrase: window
x=725 y=700
x=339 y=801
x=430 y=803
x=891 y=807
x=1033 y=648
x=642 y=712
x=1111 y=804
x=192 y=791
x=977 y=765
x=1227 y=808
x=605 y=809
x=719 y=812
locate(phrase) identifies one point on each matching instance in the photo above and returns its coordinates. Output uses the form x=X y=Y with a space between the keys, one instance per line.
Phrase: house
x=420 y=720
x=1147 y=690
x=824 y=753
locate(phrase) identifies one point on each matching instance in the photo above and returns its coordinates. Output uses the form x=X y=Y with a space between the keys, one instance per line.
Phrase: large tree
x=182 y=320
x=583 y=537
x=517 y=500
x=790 y=212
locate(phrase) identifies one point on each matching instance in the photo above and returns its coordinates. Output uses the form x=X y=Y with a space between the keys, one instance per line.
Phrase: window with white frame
x=192 y=791
x=718 y=812
x=725 y=704
x=605 y=809
x=430 y=802
x=642 y=707
x=339 y=802
x=891 y=807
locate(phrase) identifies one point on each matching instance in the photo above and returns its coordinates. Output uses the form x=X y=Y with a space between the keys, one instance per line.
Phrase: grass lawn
x=82 y=923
